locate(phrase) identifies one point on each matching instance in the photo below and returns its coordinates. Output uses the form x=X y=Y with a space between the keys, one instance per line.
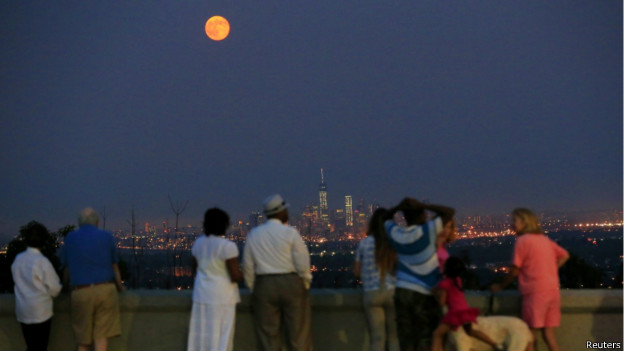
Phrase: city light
x=160 y=257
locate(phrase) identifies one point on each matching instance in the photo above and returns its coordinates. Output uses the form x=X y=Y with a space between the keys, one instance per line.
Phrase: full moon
x=217 y=28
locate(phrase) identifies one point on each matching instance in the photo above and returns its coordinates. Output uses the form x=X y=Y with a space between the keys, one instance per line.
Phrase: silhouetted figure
x=450 y=293
x=375 y=266
x=90 y=260
x=36 y=284
x=215 y=291
x=536 y=261
x=418 y=313
x=276 y=266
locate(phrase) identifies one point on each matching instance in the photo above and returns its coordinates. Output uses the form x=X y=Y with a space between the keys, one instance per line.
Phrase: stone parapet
x=158 y=319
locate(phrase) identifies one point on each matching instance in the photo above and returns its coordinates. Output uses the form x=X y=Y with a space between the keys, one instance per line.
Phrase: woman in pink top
x=446 y=236
x=536 y=262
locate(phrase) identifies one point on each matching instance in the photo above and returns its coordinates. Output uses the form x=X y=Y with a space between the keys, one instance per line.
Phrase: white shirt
x=213 y=285
x=36 y=283
x=275 y=248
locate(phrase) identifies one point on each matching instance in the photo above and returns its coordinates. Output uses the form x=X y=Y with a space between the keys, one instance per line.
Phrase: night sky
x=481 y=105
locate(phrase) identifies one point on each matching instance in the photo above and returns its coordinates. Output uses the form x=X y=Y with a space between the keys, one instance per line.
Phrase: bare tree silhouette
x=177 y=209
x=135 y=259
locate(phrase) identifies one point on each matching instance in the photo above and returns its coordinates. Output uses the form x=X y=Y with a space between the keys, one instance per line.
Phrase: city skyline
x=483 y=106
x=598 y=218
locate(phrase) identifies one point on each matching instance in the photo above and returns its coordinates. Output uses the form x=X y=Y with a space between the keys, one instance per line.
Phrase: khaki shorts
x=95 y=313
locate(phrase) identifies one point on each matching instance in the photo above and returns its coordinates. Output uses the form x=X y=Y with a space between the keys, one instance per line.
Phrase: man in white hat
x=276 y=267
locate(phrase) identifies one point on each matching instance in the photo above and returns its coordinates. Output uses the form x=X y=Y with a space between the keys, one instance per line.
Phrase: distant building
x=375 y=206
x=340 y=214
x=339 y=220
x=323 y=209
x=361 y=222
x=255 y=219
x=308 y=220
x=349 y=211
x=361 y=207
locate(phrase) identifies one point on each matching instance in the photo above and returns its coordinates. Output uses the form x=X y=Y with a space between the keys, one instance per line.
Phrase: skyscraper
x=308 y=220
x=323 y=209
x=349 y=211
x=255 y=219
x=338 y=221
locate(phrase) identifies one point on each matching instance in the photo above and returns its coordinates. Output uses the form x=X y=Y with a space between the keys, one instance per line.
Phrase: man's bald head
x=88 y=216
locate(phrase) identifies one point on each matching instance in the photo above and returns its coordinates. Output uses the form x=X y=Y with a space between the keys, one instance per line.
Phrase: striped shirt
x=418 y=268
x=371 y=279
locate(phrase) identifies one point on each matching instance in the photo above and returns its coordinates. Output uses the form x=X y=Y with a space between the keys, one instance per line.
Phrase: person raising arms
x=418 y=313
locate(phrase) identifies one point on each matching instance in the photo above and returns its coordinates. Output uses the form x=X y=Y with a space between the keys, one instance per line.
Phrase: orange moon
x=217 y=28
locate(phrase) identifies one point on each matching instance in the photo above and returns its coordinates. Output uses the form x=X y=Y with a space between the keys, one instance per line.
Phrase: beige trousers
x=281 y=301
x=95 y=313
x=381 y=318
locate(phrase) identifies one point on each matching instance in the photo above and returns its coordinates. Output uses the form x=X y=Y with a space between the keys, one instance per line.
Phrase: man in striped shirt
x=418 y=313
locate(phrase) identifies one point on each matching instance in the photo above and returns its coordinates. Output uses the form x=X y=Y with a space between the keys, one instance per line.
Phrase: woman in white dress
x=215 y=291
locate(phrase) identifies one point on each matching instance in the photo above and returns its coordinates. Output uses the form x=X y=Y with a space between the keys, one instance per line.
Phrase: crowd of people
x=408 y=279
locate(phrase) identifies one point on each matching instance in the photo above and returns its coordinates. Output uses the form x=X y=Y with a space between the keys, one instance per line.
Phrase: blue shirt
x=370 y=272
x=418 y=268
x=90 y=254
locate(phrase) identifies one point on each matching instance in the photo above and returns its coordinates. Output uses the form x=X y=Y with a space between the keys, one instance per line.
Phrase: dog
x=512 y=332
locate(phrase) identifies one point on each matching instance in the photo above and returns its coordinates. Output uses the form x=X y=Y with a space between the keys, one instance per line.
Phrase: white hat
x=274 y=204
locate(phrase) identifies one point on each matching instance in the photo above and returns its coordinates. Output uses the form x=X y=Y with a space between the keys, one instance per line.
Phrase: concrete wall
x=158 y=320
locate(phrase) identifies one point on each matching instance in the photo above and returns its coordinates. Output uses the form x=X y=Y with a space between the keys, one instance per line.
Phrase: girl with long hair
x=375 y=265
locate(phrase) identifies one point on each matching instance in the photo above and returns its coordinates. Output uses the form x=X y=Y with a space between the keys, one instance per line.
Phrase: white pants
x=211 y=327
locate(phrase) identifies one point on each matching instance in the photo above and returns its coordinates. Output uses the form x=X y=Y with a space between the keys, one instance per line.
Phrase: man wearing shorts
x=90 y=258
